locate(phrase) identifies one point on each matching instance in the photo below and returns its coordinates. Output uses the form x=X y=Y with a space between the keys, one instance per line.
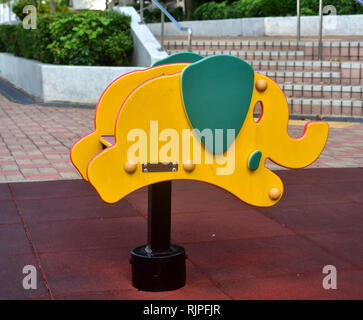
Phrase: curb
x=15 y=95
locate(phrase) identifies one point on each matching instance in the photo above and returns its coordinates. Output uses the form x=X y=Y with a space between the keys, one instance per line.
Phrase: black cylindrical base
x=160 y=271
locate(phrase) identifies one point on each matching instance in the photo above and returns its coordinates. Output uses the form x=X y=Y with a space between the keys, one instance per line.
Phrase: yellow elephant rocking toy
x=193 y=120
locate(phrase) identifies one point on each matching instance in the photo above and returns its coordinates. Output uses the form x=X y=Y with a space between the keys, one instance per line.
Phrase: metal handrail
x=298 y=31
x=320 y=47
x=172 y=19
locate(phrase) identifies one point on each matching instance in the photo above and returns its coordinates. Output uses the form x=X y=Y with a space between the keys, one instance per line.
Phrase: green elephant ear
x=217 y=93
x=179 y=57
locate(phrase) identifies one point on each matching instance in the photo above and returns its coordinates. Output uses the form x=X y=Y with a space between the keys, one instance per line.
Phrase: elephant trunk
x=302 y=151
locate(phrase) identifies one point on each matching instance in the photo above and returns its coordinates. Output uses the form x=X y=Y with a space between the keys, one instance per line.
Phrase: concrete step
x=341 y=50
x=352 y=73
x=286 y=69
x=235 y=45
x=323 y=91
x=299 y=77
x=252 y=55
x=292 y=65
x=298 y=106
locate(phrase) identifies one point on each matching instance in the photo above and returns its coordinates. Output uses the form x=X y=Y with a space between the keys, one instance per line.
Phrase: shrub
x=224 y=10
x=41 y=8
x=74 y=38
x=91 y=38
x=210 y=11
x=267 y=8
x=7 y=38
x=342 y=6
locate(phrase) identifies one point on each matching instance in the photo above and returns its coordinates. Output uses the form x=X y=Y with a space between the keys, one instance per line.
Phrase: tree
x=52 y=6
x=189 y=8
x=110 y=4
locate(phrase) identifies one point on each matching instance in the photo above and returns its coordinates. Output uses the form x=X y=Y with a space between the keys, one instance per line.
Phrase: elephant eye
x=258 y=111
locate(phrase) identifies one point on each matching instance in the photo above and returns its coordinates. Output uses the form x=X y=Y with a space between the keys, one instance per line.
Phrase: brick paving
x=35 y=142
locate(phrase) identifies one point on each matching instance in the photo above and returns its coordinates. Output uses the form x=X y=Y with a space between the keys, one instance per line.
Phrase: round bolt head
x=188 y=166
x=130 y=166
x=274 y=193
x=261 y=85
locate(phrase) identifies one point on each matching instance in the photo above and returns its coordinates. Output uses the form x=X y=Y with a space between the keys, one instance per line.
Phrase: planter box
x=79 y=84
x=57 y=83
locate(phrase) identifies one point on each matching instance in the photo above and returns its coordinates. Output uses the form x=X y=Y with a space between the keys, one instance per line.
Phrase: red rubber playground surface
x=80 y=246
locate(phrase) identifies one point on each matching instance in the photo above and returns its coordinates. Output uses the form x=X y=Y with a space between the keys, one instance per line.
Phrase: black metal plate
x=160 y=167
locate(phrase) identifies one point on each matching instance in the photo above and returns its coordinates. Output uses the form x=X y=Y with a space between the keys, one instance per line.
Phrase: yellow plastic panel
x=108 y=108
x=272 y=138
x=159 y=101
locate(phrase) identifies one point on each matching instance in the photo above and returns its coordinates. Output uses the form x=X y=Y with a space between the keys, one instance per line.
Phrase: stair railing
x=164 y=13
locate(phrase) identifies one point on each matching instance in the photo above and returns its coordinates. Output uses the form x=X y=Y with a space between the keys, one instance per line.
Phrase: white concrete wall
x=214 y=28
x=146 y=47
x=274 y=26
x=332 y=26
x=22 y=73
x=80 y=84
x=57 y=83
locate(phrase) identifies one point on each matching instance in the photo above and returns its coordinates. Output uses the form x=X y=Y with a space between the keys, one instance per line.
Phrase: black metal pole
x=159 y=265
x=159 y=216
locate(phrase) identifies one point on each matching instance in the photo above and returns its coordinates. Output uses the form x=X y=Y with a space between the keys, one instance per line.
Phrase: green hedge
x=229 y=9
x=7 y=37
x=72 y=38
x=268 y=8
